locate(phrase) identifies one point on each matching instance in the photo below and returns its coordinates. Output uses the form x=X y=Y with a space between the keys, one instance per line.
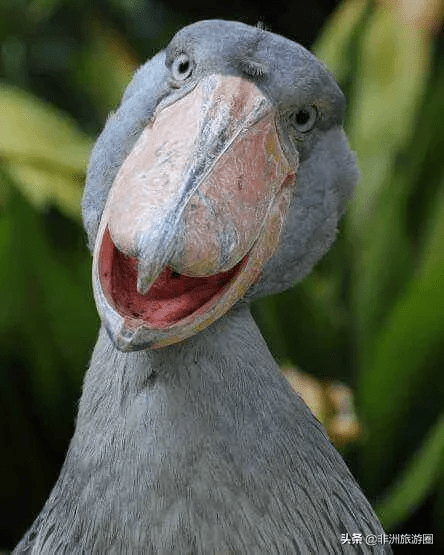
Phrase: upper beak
x=195 y=211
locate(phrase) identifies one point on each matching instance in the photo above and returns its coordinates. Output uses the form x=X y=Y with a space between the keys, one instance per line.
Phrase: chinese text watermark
x=357 y=538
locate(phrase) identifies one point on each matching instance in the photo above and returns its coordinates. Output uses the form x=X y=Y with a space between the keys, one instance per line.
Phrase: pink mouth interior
x=172 y=296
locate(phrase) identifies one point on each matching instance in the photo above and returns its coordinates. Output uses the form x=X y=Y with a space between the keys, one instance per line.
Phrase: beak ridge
x=195 y=194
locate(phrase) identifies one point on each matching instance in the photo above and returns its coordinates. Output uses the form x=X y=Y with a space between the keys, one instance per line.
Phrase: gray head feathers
x=292 y=78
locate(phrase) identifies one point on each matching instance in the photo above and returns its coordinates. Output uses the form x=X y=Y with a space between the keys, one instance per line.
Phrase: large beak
x=195 y=211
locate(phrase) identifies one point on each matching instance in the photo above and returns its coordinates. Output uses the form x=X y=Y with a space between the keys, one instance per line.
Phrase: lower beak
x=195 y=211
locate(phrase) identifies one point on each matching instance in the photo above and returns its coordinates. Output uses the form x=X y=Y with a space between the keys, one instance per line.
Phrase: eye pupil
x=184 y=66
x=302 y=117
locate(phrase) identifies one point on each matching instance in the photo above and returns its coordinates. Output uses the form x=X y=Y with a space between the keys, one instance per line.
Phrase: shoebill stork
x=221 y=177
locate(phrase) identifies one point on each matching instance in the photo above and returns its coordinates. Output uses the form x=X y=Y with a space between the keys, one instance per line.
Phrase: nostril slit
x=175 y=274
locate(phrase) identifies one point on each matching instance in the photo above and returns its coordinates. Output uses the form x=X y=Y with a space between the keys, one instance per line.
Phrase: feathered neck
x=201 y=447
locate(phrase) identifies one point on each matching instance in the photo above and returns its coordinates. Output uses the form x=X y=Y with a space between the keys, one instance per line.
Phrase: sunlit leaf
x=424 y=14
x=43 y=149
x=33 y=131
x=43 y=187
x=332 y=46
x=394 y=62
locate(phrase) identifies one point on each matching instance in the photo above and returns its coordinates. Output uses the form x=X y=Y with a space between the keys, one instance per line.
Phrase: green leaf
x=394 y=63
x=411 y=334
x=33 y=130
x=332 y=47
x=416 y=481
x=382 y=263
x=43 y=186
x=44 y=302
x=44 y=9
x=105 y=66
x=43 y=149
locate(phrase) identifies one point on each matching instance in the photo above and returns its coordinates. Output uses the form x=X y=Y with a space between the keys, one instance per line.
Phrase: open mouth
x=204 y=191
x=170 y=299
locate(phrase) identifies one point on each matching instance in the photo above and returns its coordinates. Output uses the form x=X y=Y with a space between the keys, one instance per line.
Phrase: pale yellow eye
x=182 y=67
x=305 y=118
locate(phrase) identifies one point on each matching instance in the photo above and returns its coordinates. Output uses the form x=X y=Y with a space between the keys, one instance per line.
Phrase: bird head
x=221 y=177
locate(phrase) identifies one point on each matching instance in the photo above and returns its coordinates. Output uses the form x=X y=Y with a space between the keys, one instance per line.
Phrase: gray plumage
x=202 y=447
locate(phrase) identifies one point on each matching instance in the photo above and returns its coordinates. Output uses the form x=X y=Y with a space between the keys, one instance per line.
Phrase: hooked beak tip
x=147 y=273
x=143 y=284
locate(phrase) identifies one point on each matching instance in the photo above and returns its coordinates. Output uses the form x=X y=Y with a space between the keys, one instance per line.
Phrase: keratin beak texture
x=195 y=211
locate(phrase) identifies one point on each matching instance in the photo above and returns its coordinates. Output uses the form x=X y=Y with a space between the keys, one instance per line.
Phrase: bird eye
x=305 y=118
x=182 y=67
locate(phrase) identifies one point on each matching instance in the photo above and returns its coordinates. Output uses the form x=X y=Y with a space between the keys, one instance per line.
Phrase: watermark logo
x=356 y=538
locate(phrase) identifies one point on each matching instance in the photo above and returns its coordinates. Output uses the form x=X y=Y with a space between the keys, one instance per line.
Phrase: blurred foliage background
x=371 y=314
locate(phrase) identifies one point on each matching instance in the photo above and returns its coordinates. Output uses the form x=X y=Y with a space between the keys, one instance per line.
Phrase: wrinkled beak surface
x=195 y=211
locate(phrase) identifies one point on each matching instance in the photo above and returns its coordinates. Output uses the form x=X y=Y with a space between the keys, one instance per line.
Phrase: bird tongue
x=170 y=298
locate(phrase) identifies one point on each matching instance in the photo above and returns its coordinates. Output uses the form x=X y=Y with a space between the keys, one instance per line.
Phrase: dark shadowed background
x=370 y=315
